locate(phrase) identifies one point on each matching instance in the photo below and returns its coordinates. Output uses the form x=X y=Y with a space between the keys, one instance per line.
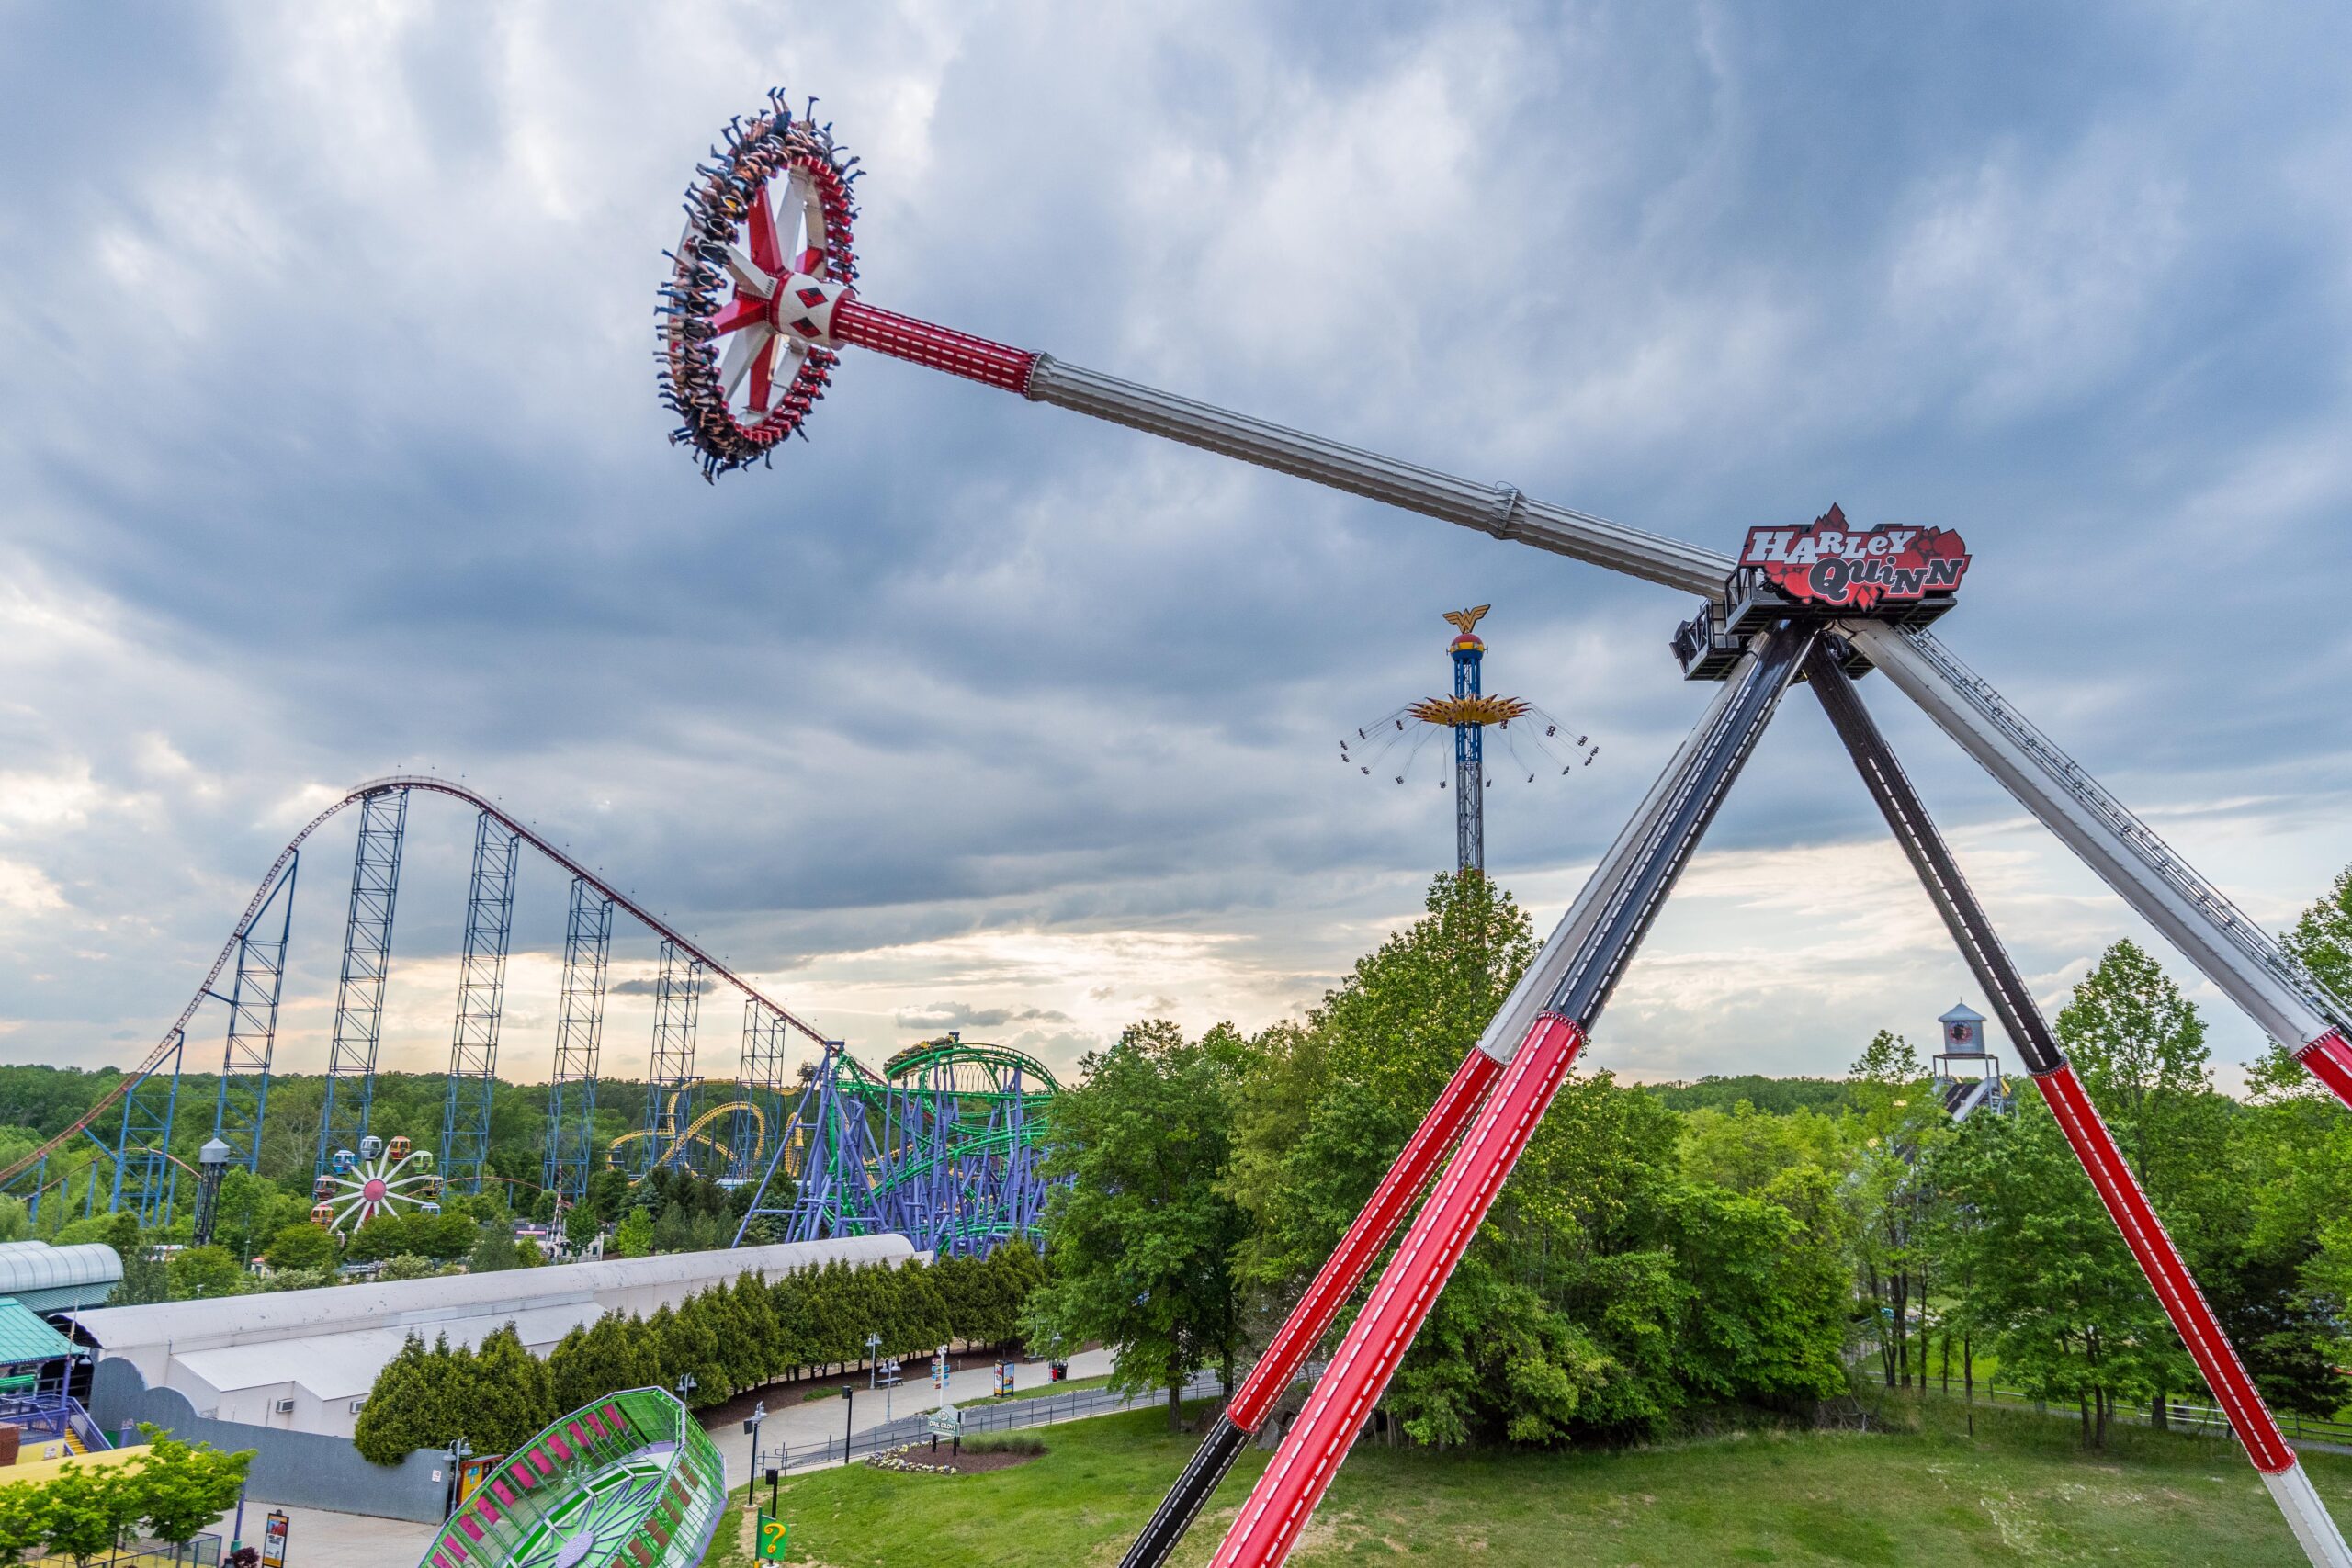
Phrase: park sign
x=1833 y=566
x=770 y=1537
x=945 y=1422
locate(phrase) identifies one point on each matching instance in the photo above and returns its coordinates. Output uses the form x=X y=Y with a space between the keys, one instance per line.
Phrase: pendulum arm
x=1634 y=879
x=2183 y=1303
x=1311 y=1319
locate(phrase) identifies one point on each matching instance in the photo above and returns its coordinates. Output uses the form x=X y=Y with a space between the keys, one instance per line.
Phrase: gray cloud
x=961 y=1015
x=373 y=477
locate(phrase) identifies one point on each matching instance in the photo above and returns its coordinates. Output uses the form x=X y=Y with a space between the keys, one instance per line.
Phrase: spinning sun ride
x=1822 y=604
x=377 y=1179
x=630 y=1482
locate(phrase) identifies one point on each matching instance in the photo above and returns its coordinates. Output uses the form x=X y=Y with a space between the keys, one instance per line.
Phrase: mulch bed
x=918 y=1459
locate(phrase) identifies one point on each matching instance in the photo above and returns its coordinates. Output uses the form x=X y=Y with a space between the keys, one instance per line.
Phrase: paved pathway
x=316 y=1539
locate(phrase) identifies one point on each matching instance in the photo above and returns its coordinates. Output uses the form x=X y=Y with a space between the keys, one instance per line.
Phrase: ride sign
x=1835 y=566
x=770 y=1539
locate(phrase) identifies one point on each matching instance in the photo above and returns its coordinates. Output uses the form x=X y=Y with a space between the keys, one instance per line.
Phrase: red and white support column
x=1285 y=1496
x=2329 y=1059
x=2191 y=1316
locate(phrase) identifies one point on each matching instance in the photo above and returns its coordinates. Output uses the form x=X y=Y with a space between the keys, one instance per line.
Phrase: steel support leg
x=1640 y=870
x=2118 y=1190
x=144 y=1178
x=759 y=1090
x=579 y=1032
x=257 y=984
x=481 y=995
x=668 y=1088
x=366 y=963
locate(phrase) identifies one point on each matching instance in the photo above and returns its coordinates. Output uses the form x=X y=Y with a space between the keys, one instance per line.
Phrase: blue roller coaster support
x=367 y=962
x=257 y=984
x=481 y=995
x=758 y=1093
x=144 y=1178
x=1469 y=763
x=668 y=1088
x=579 y=1031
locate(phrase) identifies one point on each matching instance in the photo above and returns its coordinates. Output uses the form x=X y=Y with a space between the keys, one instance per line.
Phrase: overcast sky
x=329 y=447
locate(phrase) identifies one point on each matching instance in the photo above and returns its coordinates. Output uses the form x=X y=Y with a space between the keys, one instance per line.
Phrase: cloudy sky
x=329 y=448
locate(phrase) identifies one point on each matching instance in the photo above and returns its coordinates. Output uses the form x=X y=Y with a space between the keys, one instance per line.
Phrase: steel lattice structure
x=1830 y=600
x=946 y=1147
x=481 y=995
x=579 y=1029
x=367 y=964
x=256 y=986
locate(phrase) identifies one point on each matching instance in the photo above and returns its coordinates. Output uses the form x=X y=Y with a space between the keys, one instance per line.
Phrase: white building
x=303 y=1360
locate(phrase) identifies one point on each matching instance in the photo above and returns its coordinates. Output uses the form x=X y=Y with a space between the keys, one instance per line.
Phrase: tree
x=493 y=1251
x=20 y=1523
x=1142 y=1242
x=301 y=1246
x=199 y=1272
x=82 y=1512
x=178 y=1489
x=580 y=1226
x=407 y=1265
x=634 y=1235
x=2322 y=940
x=509 y=1396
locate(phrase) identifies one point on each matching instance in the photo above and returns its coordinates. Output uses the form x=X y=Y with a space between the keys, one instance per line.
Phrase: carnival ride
x=375 y=1178
x=1467 y=715
x=946 y=1147
x=1824 y=604
x=631 y=1481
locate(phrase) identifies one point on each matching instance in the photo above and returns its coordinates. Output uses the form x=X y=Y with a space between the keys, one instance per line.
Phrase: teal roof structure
x=26 y=1340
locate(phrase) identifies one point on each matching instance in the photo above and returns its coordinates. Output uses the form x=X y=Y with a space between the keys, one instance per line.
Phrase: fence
x=1042 y=1411
x=2197 y=1420
x=204 y=1551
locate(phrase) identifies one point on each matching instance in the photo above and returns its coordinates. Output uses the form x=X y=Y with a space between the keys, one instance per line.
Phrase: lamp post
x=873 y=1360
x=456 y=1454
x=685 y=1385
x=751 y=1425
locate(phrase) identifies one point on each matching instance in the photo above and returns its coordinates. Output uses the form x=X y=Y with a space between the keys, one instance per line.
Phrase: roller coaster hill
x=943 y=1146
x=758 y=303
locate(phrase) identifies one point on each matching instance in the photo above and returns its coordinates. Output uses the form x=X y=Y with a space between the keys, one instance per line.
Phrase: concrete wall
x=299 y=1468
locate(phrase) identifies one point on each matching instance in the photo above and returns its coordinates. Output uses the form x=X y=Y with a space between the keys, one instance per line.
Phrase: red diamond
x=805 y=327
x=812 y=298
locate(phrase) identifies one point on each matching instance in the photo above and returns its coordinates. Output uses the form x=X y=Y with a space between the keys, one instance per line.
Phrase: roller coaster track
x=432 y=785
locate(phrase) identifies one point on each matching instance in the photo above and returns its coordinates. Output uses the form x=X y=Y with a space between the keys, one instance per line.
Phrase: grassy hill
x=1923 y=1493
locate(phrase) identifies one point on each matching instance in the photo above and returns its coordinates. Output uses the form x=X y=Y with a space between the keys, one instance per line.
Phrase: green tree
x=199 y=1272
x=20 y=1523
x=509 y=1396
x=407 y=1265
x=494 y=1251
x=178 y=1489
x=580 y=1226
x=2322 y=940
x=634 y=1235
x=83 y=1511
x=301 y=1246
x=1143 y=1241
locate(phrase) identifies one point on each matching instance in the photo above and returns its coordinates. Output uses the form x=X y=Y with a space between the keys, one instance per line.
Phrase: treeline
x=726 y=1338
x=171 y=1493
x=1646 y=1263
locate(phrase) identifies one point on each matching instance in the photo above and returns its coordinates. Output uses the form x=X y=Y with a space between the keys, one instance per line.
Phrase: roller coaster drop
x=765 y=264
x=945 y=1146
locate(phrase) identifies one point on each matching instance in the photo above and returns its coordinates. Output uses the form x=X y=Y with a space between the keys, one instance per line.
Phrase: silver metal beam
x=2213 y=933
x=1496 y=509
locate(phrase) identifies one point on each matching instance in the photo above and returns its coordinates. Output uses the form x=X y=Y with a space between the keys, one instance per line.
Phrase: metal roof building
x=58 y=1278
x=303 y=1360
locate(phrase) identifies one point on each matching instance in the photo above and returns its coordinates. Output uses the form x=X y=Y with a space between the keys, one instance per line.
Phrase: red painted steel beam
x=2329 y=1059
x=1285 y=1495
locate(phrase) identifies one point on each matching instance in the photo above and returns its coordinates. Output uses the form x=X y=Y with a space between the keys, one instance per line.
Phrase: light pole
x=873 y=1360
x=751 y=1425
x=456 y=1454
x=685 y=1385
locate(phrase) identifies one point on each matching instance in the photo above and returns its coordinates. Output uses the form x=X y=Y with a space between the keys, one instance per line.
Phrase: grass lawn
x=2018 y=1491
